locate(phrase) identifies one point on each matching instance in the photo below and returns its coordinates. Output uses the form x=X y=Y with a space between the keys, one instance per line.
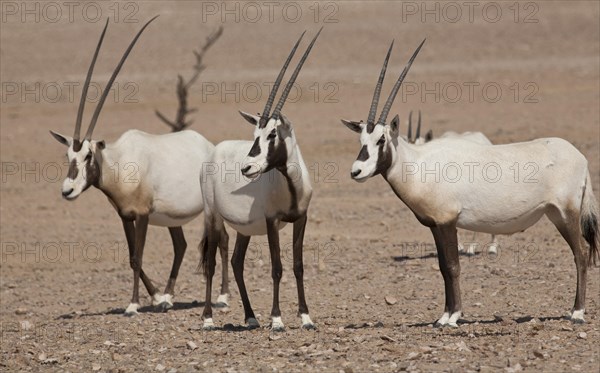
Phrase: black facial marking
x=255 y=148
x=76 y=145
x=370 y=127
x=384 y=161
x=73 y=171
x=92 y=169
x=364 y=154
x=276 y=156
x=293 y=213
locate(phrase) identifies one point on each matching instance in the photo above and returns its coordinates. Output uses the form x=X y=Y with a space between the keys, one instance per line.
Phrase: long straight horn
x=390 y=100
x=90 y=130
x=418 y=126
x=265 y=115
x=86 y=85
x=377 y=93
x=409 y=134
x=290 y=83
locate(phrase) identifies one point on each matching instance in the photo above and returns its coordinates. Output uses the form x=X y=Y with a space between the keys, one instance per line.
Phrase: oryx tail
x=589 y=220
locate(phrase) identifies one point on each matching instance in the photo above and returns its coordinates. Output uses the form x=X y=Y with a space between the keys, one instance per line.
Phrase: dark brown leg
x=223 y=299
x=446 y=242
x=237 y=263
x=141 y=228
x=129 y=228
x=298 y=237
x=211 y=240
x=276 y=272
x=165 y=302
x=570 y=229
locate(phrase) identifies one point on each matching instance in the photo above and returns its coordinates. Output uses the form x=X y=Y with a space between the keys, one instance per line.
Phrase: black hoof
x=164 y=306
x=130 y=314
x=278 y=329
x=209 y=328
x=438 y=325
x=309 y=327
x=221 y=305
x=578 y=321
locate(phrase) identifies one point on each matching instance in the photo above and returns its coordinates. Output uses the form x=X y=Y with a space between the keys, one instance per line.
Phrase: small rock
x=96 y=367
x=387 y=338
x=413 y=355
x=516 y=368
x=159 y=367
x=191 y=345
x=21 y=311
x=274 y=337
x=538 y=354
x=390 y=300
x=42 y=356
x=582 y=335
x=567 y=328
x=26 y=325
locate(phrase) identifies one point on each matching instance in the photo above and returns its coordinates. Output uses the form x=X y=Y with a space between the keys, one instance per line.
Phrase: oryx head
x=273 y=134
x=418 y=140
x=377 y=138
x=83 y=155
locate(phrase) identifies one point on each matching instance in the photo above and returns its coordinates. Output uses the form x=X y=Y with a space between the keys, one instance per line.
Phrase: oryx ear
x=284 y=121
x=252 y=119
x=100 y=144
x=353 y=125
x=65 y=140
x=429 y=136
x=394 y=125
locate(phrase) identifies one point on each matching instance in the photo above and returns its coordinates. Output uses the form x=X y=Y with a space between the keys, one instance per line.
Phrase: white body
x=244 y=203
x=478 y=138
x=157 y=174
x=505 y=206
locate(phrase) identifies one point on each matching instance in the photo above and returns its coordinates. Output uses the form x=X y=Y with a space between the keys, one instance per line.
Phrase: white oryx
x=272 y=189
x=481 y=201
x=477 y=137
x=149 y=179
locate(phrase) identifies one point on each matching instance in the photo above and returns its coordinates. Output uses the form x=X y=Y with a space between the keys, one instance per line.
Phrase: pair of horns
x=418 y=134
x=264 y=118
x=388 y=104
x=88 y=135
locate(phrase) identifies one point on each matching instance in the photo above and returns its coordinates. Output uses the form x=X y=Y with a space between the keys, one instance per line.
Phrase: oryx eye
x=381 y=140
x=272 y=135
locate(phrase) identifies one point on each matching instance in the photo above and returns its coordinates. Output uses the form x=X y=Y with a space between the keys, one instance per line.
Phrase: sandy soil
x=65 y=278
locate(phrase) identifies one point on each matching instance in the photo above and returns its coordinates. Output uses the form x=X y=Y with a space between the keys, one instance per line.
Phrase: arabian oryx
x=477 y=137
x=272 y=189
x=497 y=203
x=149 y=179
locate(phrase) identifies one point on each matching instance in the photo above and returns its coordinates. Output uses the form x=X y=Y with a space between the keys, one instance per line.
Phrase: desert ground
x=514 y=71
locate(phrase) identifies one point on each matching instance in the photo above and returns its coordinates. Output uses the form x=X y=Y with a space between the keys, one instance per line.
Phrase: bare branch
x=180 y=122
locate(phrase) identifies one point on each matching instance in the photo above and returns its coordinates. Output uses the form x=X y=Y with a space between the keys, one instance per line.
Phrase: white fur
x=223 y=298
x=306 y=321
x=444 y=319
x=208 y=323
x=162 y=298
x=132 y=309
x=577 y=315
x=277 y=323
